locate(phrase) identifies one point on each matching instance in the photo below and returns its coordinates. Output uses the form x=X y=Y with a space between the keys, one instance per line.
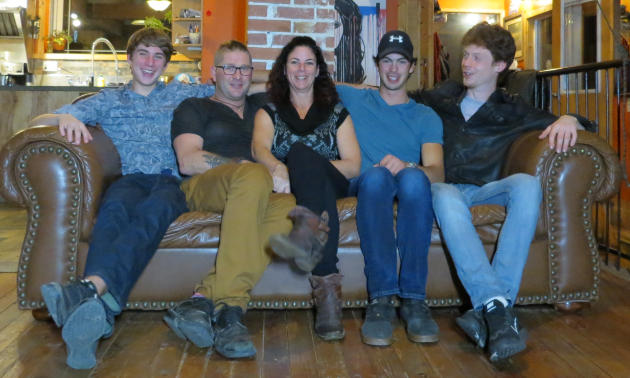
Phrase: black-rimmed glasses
x=231 y=70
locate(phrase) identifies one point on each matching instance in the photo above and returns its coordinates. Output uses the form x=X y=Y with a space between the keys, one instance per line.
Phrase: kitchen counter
x=19 y=88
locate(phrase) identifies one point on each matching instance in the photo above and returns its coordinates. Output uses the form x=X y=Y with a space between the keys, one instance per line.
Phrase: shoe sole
x=231 y=354
x=196 y=334
x=332 y=336
x=84 y=327
x=471 y=332
x=53 y=294
x=423 y=339
x=287 y=250
x=508 y=352
x=377 y=341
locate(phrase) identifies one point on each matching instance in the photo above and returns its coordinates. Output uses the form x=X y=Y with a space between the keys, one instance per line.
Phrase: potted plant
x=152 y=22
x=58 y=40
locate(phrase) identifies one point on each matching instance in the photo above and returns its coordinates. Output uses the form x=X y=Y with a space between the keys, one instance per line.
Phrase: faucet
x=111 y=47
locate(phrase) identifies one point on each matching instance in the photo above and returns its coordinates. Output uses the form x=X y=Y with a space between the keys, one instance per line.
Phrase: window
x=581 y=38
x=542 y=43
x=111 y=19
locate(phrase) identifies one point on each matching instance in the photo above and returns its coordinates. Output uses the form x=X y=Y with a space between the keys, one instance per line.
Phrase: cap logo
x=399 y=38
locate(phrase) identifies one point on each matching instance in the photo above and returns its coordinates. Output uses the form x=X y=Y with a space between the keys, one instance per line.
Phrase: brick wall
x=273 y=23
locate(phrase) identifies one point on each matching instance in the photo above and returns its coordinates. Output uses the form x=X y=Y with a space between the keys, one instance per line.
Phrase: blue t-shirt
x=139 y=126
x=383 y=129
x=470 y=106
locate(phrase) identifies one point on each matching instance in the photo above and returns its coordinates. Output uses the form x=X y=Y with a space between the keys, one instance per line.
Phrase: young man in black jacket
x=480 y=122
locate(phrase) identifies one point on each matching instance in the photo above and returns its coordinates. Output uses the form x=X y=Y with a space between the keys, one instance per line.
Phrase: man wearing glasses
x=212 y=140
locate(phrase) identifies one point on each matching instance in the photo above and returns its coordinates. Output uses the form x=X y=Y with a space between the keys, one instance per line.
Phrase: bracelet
x=411 y=164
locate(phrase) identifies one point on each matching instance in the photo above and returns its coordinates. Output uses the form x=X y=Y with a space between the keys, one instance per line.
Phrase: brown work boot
x=305 y=241
x=327 y=296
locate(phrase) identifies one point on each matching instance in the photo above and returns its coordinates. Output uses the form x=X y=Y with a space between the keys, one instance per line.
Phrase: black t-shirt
x=224 y=133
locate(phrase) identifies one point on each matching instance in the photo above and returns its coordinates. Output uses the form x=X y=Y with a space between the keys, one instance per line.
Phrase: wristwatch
x=411 y=164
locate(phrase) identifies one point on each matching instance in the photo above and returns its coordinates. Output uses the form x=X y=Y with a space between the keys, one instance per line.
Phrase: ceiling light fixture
x=159 y=5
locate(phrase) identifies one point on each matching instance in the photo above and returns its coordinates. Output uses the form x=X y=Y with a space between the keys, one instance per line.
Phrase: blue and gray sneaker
x=63 y=300
x=82 y=331
x=475 y=327
x=504 y=339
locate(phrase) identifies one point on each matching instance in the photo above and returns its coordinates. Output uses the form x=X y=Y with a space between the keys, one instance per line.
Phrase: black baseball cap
x=395 y=41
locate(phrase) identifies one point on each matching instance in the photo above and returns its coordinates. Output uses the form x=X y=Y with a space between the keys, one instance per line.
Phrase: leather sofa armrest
x=61 y=185
x=571 y=183
x=54 y=168
x=531 y=155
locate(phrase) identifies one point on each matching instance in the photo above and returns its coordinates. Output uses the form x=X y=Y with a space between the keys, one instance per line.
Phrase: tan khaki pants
x=251 y=213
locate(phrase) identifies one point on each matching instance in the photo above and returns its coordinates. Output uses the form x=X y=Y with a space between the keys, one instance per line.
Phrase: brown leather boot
x=327 y=296
x=305 y=241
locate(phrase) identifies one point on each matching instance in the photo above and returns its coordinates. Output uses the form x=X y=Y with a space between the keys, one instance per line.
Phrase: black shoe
x=503 y=336
x=421 y=328
x=378 y=328
x=232 y=337
x=62 y=300
x=475 y=327
x=192 y=320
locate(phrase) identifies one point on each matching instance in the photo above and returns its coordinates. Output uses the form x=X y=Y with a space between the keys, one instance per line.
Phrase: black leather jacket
x=475 y=150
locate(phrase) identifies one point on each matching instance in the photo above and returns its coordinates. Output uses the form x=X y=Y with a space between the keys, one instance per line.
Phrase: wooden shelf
x=185 y=49
x=180 y=27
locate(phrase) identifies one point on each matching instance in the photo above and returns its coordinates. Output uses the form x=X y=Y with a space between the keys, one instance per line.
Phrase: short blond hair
x=231 y=45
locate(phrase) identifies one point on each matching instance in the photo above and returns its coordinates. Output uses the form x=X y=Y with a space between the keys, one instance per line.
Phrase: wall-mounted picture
x=514 y=24
x=359 y=26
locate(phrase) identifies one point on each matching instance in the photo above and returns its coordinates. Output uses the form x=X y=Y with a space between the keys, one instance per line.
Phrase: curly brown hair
x=493 y=37
x=151 y=37
x=278 y=90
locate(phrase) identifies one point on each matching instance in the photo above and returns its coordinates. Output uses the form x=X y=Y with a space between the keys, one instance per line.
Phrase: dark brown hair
x=493 y=37
x=325 y=93
x=150 y=37
x=231 y=45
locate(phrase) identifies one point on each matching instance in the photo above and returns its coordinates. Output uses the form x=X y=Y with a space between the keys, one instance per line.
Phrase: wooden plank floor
x=593 y=343
x=12 y=226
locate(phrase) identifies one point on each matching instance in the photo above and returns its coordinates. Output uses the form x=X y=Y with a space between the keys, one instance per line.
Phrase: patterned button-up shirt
x=139 y=126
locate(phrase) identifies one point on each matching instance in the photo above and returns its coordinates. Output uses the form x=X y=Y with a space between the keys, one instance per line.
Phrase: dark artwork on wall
x=349 y=52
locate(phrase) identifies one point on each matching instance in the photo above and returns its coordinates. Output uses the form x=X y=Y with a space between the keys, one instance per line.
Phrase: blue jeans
x=376 y=190
x=134 y=215
x=521 y=194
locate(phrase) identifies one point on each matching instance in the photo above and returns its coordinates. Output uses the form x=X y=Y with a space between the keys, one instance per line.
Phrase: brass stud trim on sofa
x=586 y=203
x=34 y=221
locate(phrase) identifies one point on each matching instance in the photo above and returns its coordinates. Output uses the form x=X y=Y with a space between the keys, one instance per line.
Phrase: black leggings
x=317 y=185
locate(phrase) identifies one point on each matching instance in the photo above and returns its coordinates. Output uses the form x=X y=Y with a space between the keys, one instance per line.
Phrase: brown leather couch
x=61 y=185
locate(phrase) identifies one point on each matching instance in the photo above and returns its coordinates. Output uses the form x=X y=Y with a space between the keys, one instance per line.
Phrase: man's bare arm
x=433 y=162
x=562 y=133
x=45 y=119
x=69 y=126
x=191 y=157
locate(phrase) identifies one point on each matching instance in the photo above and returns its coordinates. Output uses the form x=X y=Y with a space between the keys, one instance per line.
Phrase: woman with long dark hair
x=306 y=139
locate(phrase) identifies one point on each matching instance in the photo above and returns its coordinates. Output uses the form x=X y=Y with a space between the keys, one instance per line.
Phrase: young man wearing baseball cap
x=401 y=155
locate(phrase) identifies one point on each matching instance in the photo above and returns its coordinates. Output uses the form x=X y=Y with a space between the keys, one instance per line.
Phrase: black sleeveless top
x=317 y=130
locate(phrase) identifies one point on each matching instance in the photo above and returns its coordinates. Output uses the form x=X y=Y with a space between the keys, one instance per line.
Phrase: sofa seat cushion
x=198 y=229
